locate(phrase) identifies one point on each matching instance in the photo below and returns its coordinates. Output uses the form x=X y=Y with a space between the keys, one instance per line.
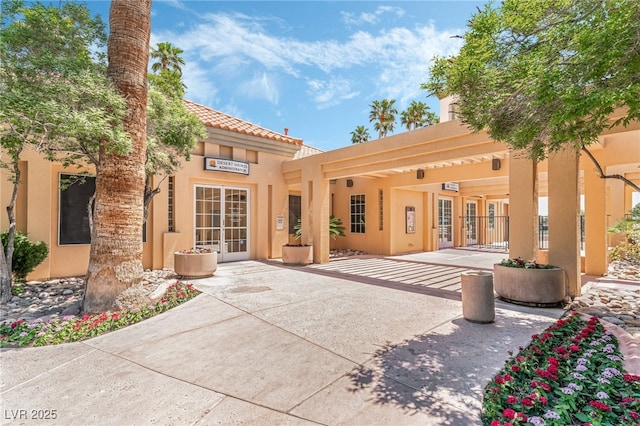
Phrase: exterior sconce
x=495 y=164
x=349 y=183
x=420 y=174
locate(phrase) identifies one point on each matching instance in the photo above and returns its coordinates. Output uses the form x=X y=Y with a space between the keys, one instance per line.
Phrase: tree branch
x=603 y=176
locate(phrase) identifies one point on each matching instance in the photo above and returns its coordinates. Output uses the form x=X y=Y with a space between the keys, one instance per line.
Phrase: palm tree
x=115 y=260
x=359 y=135
x=418 y=114
x=168 y=57
x=383 y=113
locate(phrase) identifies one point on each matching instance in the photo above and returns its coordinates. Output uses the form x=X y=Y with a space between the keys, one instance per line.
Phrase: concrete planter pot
x=531 y=287
x=297 y=255
x=196 y=265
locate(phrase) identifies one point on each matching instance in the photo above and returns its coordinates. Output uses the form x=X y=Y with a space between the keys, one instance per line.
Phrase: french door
x=445 y=222
x=472 y=223
x=222 y=221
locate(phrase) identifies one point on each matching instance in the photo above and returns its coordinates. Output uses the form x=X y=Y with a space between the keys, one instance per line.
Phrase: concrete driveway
x=267 y=344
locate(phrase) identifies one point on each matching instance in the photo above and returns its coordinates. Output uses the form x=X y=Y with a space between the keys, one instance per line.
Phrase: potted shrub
x=529 y=283
x=297 y=254
x=302 y=254
x=197 y=262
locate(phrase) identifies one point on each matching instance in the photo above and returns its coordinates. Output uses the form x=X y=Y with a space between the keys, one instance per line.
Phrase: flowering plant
x=571 y=374
x=71 y=329
x=527 y=264
x=197 y=250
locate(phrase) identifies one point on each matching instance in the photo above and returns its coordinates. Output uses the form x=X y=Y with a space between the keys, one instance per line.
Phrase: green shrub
x=629 y=227
x=26 y=254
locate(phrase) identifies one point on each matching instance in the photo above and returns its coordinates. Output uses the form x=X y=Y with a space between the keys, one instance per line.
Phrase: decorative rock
x=44 y=299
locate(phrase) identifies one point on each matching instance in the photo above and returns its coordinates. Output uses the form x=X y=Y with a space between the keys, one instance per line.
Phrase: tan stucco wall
x=446 y=152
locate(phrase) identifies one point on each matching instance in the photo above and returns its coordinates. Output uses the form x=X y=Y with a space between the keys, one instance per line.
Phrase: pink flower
x=509 y=413
x=527 y=402
x=512 y=399
x=600 y=405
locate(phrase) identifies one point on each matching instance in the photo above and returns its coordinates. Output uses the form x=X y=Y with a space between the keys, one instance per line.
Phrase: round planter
x=195 y=265
x=297 y=255
x=531 y=287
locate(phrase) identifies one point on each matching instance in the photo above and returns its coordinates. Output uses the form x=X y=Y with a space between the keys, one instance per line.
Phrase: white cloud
x=370 y=18
x=328 y=93
x=261 y=86
x=242 y=52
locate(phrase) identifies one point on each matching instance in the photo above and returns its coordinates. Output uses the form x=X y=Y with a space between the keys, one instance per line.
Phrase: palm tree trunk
x=115 y=261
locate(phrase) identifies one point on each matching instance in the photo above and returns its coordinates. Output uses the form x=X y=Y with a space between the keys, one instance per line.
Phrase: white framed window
x=357 y=214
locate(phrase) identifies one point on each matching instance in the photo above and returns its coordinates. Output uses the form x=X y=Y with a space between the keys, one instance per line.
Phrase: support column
x=564 y=216
x=315 y=198
x=320 y=220
x=595 y=262
x=523 y=206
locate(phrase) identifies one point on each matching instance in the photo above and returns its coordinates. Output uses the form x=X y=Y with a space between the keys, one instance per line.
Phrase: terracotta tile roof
x=212 y=118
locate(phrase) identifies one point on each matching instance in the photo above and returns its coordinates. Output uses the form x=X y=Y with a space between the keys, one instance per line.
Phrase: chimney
x=286 y=131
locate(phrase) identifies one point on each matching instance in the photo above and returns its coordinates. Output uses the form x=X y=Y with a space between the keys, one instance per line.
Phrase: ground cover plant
x=518 y=262
x=571 y=374
x=72 y=329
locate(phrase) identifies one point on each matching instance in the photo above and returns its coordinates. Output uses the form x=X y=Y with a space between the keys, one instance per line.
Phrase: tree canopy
x=56 y=98
x=541 y=75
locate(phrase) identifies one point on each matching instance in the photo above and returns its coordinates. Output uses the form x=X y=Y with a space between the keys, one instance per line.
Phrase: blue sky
x=311 y=66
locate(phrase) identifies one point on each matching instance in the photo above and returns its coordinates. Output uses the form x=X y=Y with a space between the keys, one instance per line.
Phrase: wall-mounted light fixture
x=495 y=164
x=420 y=174
x=349 y=183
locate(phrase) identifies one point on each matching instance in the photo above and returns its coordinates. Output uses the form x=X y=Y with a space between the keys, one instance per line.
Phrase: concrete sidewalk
x=270 y=345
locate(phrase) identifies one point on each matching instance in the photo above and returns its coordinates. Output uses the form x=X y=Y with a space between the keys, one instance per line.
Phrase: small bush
x=26 y=254
x=629 y=227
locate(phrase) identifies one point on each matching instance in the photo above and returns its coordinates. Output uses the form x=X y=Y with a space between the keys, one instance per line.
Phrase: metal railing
x=492 y=232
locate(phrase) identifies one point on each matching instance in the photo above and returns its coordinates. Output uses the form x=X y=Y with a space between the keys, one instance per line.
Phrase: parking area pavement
x=268 y=344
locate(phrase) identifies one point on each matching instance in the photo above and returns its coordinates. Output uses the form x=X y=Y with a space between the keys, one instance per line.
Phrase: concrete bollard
x=478 y=303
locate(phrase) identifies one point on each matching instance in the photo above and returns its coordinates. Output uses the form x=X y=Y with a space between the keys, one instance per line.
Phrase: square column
x=523 y=206
x=315 y=197
x=595 y=218
x=564 y=216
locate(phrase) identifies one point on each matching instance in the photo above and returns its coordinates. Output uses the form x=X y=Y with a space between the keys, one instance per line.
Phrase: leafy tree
x=416 y=115
x=542 y=75
x=360 y=135
x=172 y=133
x=383 y=114
x=115 y=260
x=168 y=57
x=55 y=96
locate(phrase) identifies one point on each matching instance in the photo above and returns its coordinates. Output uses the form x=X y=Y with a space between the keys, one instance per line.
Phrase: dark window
x=75 y=192
x=295 y=212
x=171 y=204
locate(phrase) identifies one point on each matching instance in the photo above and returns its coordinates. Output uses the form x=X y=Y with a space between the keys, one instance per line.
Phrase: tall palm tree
x=359 y=135
x=415 y=115
x=383 y=114
x=168 y=57
x=115 y=261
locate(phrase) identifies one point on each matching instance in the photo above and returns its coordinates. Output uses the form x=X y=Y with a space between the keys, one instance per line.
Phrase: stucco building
x=421 y=190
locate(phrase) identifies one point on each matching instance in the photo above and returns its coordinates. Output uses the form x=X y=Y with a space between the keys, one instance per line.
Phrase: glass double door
x=222 y=221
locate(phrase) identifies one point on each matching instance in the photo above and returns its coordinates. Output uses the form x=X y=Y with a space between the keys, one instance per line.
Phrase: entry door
x=472 y=223
x=445 y=222
x=222 y=221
